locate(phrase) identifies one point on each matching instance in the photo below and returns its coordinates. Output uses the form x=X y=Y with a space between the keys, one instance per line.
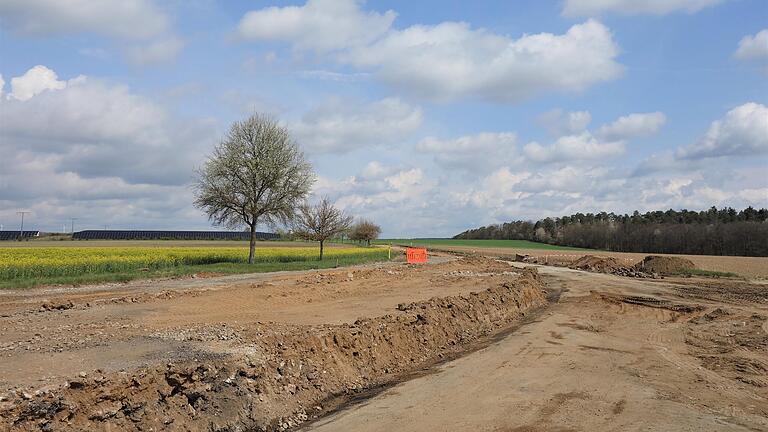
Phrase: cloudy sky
x=429 y=117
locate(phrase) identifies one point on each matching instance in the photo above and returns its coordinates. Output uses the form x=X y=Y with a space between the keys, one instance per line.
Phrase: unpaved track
x=749 y=267
x=594 y=362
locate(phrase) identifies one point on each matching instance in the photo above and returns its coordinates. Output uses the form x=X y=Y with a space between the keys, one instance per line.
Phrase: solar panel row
x=13 y=235
x=169 y=235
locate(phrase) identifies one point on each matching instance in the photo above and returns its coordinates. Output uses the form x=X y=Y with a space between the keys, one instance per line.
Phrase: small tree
x=320 y=222
x=366 y=231
x=257 y=174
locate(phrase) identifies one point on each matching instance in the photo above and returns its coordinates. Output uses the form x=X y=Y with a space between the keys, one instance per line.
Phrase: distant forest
x=710 y=232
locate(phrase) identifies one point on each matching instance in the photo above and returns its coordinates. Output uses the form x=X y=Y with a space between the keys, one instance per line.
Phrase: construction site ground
x=462 y=343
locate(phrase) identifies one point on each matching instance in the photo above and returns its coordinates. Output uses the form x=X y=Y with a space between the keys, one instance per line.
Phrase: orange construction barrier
x=416 y=255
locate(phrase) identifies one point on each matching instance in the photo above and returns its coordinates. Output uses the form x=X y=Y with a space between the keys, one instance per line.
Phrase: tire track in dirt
x=658 y=340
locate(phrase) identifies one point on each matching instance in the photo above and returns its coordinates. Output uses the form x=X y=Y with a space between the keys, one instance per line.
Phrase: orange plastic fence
x=416 y=255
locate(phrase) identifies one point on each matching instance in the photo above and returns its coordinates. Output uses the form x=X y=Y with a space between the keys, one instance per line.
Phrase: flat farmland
x=35 y=263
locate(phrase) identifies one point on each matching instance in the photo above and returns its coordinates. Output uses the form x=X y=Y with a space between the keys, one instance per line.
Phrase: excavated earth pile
x=610 y=265
x=665 y=265
x=281 y=375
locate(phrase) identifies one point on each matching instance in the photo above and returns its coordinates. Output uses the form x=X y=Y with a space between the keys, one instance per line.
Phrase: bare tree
x=366 y=231
x=320 y=222
x=256 y=175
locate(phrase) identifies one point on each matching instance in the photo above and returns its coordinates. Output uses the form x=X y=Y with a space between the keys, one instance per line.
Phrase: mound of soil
x=664 y=265
x=597 y=264
x=282 y=374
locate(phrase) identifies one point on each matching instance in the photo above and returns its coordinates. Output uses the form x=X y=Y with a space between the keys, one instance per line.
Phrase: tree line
x=714 y=231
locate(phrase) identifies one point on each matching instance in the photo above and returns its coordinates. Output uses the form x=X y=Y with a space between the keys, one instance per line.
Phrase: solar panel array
x=169 y=235
x=13 y=235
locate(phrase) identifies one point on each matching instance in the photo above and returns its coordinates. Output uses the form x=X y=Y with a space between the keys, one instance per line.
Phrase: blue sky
x=428 y=117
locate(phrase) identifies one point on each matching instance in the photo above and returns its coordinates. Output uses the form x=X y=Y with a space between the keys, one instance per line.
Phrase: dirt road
x=603 y=358
x=749 y=267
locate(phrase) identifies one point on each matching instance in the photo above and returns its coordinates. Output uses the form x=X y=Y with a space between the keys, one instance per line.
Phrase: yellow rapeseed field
x=18 y=263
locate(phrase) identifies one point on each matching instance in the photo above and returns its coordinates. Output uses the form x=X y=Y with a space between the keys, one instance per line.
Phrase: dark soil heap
x=665 y=265
x=284 y=374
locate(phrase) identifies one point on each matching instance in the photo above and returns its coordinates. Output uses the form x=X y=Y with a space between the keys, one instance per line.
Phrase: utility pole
x=73 y=224
x=21 y=231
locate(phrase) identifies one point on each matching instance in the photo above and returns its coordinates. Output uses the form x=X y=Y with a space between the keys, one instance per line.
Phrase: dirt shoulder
x=614 y=353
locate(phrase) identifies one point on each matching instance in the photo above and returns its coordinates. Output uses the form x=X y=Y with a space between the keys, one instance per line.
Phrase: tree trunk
x=252 y=249
x=321 y=249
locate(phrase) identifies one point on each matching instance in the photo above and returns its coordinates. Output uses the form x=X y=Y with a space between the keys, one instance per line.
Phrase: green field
x=57 y=263
x=512 y=244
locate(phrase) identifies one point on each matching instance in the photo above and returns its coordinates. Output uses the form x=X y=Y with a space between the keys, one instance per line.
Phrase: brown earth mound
x=609 y=265
x=283 y=374
x=596 y=264
x=664 y=264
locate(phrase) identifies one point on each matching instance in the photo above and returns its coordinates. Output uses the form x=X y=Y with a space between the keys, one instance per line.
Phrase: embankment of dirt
x=283 y=374
x=665 y=265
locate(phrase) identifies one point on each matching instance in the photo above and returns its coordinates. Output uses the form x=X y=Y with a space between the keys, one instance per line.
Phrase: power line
x=21 y=231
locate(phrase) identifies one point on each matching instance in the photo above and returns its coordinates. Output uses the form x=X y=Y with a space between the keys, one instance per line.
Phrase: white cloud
x=753 y=47
x=2 y=85
x=95 y=129
x=575 y=8
x=479 y=152
x=494 y=190
x=452 y=60
x=444 y=61
x=676 y=186
x=156 y=52
x=375 y=170
x=95 y=150
x=402 y=199
x=340 y=126
x=321 y=25
x=560 y=123
x=583 y=146
x=34 y=81
x=571 y=180
x=632 y=126
x=742 y=132
x=124 y=19
x=333 y=76
x=755 y=195
x=143 y=27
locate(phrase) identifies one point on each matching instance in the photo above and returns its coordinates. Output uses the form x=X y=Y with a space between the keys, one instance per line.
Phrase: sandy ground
x=613 y=353
x=596 y=362
x=750 y=267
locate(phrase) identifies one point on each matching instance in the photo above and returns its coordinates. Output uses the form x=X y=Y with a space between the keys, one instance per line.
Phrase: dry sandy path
x=585 y=364
x=750 y=267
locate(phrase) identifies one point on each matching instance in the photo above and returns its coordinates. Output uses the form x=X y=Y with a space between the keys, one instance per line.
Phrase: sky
x=428 y=117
